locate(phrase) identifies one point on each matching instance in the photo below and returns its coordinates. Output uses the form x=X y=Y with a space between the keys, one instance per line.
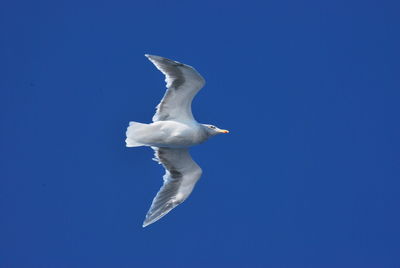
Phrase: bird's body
x=172 y=132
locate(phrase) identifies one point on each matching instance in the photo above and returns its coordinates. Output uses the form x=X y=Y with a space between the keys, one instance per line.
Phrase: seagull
x=172 y=132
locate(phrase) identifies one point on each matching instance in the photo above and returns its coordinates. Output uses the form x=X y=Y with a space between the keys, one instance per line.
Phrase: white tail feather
x=131 y=134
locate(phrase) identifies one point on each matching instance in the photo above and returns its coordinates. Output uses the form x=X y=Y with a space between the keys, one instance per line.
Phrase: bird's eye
x=212 y=127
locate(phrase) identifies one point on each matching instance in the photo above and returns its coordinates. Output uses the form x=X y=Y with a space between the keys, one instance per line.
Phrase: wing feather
x=181 y=175
x=183 y=83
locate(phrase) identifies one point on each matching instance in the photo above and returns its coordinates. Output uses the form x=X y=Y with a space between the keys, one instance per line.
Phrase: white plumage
x=172 y=132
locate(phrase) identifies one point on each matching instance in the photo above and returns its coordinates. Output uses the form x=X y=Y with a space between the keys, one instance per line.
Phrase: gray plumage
x=172 y=132
x=180 y=177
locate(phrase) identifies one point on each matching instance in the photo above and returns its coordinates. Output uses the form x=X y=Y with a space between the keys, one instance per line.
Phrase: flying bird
x=172 y=132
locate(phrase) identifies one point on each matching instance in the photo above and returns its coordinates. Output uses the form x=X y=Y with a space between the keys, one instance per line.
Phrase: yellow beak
x=224 y=131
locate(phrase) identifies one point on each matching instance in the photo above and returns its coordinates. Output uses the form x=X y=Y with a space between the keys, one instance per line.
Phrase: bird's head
x=213 y=130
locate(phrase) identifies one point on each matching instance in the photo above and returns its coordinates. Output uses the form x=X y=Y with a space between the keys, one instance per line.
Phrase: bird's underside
x=181 y=175
x=173 y=130
x=170 y=134
x=168 y=130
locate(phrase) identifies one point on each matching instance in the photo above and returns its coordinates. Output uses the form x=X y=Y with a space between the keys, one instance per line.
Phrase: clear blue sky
x=308 y=176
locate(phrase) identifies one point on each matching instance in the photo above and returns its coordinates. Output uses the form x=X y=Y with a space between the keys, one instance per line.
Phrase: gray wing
x=183 y=83
x=181 y=175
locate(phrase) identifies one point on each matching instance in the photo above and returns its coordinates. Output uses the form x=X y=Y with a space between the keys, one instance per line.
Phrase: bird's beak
x=223 y=131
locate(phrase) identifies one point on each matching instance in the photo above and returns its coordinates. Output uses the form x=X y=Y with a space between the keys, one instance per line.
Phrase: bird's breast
x=178 y=135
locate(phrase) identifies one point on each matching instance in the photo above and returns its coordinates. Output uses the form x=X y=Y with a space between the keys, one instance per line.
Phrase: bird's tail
x=132 y=134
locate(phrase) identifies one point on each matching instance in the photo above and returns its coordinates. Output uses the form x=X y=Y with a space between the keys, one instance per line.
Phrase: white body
x=173 y=130
x=171 y=134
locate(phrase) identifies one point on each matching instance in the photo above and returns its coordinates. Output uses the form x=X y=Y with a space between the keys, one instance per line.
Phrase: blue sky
x=308 y=176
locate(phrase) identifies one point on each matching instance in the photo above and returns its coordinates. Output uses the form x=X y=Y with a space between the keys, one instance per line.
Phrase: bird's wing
x=183 y=83
x=181 y=175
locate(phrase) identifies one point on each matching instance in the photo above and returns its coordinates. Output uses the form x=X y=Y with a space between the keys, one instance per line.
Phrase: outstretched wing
x=180 y=177
x=183 y=83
